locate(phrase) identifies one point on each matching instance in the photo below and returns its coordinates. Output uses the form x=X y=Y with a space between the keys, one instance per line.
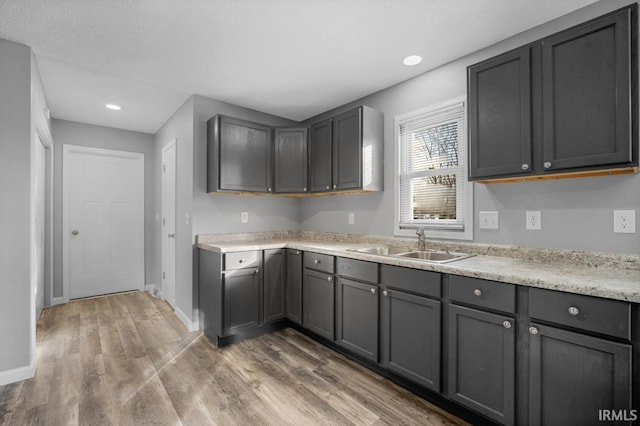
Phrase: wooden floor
x=126 y=359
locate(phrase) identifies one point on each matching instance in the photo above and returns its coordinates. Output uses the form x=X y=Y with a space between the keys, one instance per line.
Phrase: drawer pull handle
x=477 y=292
x=573 y=311
x=386 y=293
x=316 y=261
x=506 y=324
x=328 y=278
x=373 y=291
x=533 y=330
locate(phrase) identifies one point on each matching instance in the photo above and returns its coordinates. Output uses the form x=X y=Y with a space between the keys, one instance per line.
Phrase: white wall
x=576 y=213
x=72 y=133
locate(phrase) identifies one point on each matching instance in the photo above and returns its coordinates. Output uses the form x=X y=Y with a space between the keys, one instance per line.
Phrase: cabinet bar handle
x=506 y=324
x=477 y=292
x=533 y=330
x=573 y=311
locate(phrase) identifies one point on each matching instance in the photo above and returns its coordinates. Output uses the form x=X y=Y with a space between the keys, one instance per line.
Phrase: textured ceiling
x=292 y=58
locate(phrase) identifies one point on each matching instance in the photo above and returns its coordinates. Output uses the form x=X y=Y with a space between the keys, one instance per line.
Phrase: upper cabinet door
x=586 y=77
x=500 y=115
x=347 y=150
x=320 y=156
x=245 y=156
x=290 y=159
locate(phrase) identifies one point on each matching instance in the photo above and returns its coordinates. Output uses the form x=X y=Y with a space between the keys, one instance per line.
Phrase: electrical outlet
x=489 y=220
x=352 y=218
x=534 y=220
x=624 y=221
x=244 y=217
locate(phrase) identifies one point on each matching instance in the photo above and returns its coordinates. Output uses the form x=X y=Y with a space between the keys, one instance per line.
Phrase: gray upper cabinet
x=320 y=157
x=290 y=160
x=586 y=75
x=239 y=155
x=346 y=152
x=500 y=115
x=567 y=103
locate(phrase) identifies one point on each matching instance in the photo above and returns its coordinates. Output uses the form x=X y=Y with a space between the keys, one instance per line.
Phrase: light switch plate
x=244 y=217
x=352 y=218
x=533 y=220
x=624 y=221
x=489 y=220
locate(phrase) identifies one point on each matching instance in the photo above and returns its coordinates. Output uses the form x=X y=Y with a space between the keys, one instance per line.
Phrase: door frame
x=172 y=144
x=67 y=150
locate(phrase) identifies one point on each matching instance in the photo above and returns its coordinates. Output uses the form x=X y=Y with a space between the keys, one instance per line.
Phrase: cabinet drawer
x=413 y=280
x=483 y=293
x=358 y=269
x=242 y=259
x=319 y=262
x=611 y=317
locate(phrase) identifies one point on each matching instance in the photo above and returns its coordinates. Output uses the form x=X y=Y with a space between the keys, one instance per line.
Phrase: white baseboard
x=17 y=374
x=58 y=300
x=191 y=325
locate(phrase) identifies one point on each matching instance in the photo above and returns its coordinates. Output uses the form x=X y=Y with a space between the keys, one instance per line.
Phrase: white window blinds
x=432 y=169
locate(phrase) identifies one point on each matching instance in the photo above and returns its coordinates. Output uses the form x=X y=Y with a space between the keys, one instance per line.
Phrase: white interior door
x=169 y=222
x=103 y=221
x=38 y=224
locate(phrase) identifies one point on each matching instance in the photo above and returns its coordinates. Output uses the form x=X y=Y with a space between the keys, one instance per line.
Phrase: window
x=432 y=189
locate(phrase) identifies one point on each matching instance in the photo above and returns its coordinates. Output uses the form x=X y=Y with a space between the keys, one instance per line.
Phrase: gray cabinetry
x=566 y=103
x=346 y=152
x=410 y=337
x=318 y=295
x=586 y=367
x=239 y=155
x=357 y=307
x=241 y=300
x=290 y=160
x=482 y=355
x=294 y=286
x=274 y=285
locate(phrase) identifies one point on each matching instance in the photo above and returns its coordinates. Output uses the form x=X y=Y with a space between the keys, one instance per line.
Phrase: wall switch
x=352 y=218
x=624 y=221
x=533 y=220
x=489 y=220
x=244 y=217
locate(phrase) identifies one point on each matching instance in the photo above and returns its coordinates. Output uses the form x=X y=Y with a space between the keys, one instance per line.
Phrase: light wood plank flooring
x=126 y=359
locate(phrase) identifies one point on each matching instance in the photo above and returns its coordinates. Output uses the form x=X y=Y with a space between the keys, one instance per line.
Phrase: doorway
x=102 y=221
x=169 y=222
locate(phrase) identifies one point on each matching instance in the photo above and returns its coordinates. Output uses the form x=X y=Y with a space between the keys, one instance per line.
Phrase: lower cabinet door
x=482 y=362
x=411 y=337
x=357 y=318
x=318 y=295
x=294 y=285
x=241 y=300
x=274 y=285
x=573 y=376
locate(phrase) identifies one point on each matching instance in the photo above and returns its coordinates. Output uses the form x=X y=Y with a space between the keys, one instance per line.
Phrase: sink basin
x=381 y=250
x=434 y=256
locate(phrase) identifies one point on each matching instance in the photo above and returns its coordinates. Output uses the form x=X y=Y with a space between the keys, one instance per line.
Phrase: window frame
x=433 y=232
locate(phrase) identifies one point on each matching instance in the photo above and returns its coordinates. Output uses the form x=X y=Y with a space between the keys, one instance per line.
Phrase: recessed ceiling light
x=113 y=107
x=412 y=60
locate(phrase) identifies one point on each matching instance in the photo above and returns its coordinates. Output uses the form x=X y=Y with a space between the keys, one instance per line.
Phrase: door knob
x=75 y=232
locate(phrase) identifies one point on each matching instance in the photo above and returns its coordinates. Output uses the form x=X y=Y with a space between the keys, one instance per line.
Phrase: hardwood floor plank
x=126 y=359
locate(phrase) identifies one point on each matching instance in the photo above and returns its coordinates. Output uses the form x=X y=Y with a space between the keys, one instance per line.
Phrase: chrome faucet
x=421 y=242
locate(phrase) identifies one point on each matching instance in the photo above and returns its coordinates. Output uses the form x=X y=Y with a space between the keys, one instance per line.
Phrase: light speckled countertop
x=569 y=276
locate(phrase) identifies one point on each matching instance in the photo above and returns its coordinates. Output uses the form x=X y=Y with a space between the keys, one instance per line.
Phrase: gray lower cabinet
x=294 y=285
x=357 y=317
x=241 y=300
x=482 y=355
x=274 y=285
x=572 y=376
x=410 y=336
x=318 y=294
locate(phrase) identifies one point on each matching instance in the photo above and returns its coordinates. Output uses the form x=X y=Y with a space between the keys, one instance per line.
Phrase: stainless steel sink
x=381 y=250
x=434 y=256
